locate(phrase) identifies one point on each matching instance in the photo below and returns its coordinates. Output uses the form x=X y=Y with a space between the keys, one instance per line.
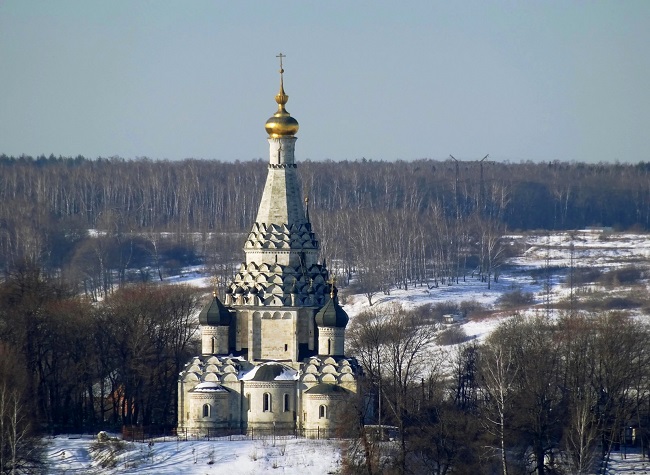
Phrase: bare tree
x=498 y=369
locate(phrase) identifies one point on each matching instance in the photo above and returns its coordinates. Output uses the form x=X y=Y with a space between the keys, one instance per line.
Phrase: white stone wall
x=220 y=414
x=335 y=411
x=214 y=340
x=260 y=418
x=278 y=335
x=331 y=341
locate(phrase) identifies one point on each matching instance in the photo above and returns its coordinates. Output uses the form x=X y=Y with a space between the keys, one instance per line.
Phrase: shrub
x=585 y=275
x=516 y=298
x=624 y=275
x=469 y=307
x=452 y=336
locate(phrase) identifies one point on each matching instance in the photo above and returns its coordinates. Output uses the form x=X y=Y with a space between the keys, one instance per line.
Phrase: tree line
x=206 y=195
x=432 y=222
x=68 y=364
x=538 y=396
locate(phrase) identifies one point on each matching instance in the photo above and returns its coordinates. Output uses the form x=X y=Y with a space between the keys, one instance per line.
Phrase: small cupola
x=215 y=313
x=332 y=314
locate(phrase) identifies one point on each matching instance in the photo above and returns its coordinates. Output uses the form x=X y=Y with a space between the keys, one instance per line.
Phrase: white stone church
x=272 y=352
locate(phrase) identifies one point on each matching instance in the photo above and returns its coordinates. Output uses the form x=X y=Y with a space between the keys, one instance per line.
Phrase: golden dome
x=281 y=124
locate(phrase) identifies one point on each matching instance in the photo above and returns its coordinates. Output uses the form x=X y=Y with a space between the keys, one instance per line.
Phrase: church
x=272 y=352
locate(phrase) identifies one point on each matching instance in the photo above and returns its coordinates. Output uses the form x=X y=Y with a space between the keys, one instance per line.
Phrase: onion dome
x=281 y=124
x=215 y=313
x=332 y=314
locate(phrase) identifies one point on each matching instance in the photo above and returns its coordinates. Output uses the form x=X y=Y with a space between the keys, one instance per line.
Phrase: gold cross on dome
x=332 y=283
x=281 y=56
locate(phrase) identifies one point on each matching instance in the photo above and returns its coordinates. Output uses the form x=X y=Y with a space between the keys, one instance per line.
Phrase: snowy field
x=72 y=455
x=587 y=248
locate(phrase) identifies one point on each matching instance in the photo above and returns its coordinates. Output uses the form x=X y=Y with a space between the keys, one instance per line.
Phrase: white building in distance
x=272 y=352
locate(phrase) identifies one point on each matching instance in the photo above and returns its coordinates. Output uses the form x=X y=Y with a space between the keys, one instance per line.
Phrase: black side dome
x=215 y=314
x=332 y=315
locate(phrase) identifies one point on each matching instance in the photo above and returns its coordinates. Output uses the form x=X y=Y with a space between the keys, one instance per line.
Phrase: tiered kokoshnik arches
x=272 y=353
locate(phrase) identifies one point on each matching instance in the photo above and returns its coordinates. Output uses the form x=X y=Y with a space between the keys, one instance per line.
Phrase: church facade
x=272 y=352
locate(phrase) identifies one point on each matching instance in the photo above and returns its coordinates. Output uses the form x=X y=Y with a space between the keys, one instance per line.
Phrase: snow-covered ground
x=72 y=455
x=68 y=455
x=587 y=248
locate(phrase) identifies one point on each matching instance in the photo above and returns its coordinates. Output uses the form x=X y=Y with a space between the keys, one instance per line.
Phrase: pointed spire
x=281 y=124
x=281 y=98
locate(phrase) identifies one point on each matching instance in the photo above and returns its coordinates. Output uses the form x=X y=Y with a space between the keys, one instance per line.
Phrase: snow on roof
x=270 y=372
x=209 y=386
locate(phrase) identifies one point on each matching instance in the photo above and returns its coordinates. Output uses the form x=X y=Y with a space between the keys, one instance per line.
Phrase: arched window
x=206 y=410
x=266 y=402
x=322 y=412
x=212 y=345
x=329 y=346
x=285 y=403
x=248 y=401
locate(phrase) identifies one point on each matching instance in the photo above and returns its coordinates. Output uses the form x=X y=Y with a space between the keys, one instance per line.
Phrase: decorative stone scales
x=273 y=351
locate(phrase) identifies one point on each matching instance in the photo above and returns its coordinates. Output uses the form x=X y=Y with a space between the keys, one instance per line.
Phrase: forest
x=88 y=341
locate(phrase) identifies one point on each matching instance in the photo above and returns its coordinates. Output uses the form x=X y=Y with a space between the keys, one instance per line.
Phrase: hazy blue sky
x=520 y=80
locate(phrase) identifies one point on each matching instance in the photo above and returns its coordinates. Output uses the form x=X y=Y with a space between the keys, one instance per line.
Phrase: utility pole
x=456 y=187
x=456 y=227
x=481 y=204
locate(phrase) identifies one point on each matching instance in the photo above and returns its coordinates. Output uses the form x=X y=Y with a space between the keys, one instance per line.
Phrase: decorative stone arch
x=309 y=378
x=328 y=378
x=191 y=377
x=212 y=377
x=230 y=378
x=277 y=315
x=328 y=368
x=346 y=378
